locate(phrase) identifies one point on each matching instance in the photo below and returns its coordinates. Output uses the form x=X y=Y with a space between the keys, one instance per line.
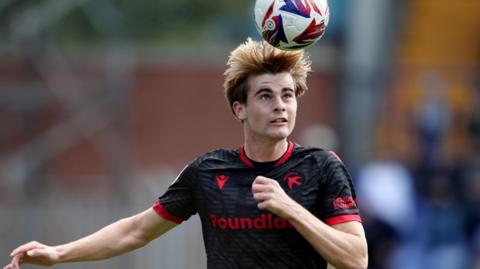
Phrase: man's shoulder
x=314 y=151
x=321 y=155
x=217 y=156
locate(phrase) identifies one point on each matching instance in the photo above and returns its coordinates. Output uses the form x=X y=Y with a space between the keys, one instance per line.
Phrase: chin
x=279 y=135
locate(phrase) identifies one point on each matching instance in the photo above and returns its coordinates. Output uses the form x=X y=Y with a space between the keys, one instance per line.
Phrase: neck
x=265 y=151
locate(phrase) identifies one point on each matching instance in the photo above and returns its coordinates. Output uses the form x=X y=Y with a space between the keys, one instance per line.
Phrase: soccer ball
x=291 y=24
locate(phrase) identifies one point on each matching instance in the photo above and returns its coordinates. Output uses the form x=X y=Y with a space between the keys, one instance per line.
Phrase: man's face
x=271 y=107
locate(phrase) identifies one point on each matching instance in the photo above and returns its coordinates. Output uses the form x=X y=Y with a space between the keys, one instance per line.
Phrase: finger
x=266 y=181
x=260 y=197
x=263 y=205
x=16 y=261
x=33 y=253
x=25 y=248
x=36 y=252
x=34 y=256
x=261 y=188
x=262 y=180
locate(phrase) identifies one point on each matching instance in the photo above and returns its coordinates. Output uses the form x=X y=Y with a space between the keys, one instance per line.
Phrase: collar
x=280 y=161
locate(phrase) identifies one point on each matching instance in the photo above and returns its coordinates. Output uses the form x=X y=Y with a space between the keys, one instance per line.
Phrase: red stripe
x=336 y=156
x=165 y=214
x=268 y=14
x=282 y=160
x=287 y=154
x=343 y=218
x=244 y=157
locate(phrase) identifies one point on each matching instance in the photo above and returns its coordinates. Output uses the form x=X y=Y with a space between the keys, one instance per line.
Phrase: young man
x=269 y=204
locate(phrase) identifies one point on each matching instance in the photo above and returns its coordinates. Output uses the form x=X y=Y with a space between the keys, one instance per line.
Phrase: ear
x=239 y=110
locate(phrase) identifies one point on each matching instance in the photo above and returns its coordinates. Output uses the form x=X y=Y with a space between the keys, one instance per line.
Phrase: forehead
x=274 y=82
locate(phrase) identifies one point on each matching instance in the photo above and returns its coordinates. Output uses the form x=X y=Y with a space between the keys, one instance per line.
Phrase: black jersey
x=218 y=186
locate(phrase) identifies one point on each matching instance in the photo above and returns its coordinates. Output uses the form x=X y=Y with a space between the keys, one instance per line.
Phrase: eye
x=288 y=95
x=265 y=97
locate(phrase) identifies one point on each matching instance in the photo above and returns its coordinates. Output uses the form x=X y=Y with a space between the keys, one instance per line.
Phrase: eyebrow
x=268 y=90
x=262 y=90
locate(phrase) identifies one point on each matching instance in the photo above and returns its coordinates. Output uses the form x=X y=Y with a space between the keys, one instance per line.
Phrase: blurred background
x=103 y=102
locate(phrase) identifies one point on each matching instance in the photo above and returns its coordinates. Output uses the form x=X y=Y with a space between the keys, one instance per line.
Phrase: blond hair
x=259 y=57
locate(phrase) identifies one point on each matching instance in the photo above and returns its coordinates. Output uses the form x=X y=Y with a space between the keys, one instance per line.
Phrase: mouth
x=279 y=121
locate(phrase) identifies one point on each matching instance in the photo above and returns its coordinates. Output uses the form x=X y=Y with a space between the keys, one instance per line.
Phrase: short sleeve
x=338 y=201
x=177 y=204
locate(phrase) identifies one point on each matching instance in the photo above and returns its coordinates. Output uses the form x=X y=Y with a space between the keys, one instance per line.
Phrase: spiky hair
x=257 y=58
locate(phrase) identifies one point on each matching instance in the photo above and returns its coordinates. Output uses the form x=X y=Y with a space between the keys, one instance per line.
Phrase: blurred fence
x=60 y=217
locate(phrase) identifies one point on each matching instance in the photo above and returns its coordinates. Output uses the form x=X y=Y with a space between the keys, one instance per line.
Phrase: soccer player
x=270 y=204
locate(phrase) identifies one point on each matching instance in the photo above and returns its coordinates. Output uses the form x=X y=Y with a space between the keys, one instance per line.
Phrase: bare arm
x=343 y=245
x=115 y=239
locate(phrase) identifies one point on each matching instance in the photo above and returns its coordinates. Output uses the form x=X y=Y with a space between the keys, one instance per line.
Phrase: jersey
x=236 y=234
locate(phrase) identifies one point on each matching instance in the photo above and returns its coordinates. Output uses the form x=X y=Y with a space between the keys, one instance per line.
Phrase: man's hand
x=115 y=239
x=33 y=253
x=270 y=196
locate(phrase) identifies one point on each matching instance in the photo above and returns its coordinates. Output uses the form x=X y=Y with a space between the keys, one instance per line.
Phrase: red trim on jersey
x=343 y=218
x=281 y=161
x=165 y=214
x=244 y=157
x=336 y=155
x=287 y=154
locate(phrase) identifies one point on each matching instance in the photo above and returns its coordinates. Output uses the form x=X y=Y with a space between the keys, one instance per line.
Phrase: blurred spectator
x=387 y=198
x=441 y=232
x=321 y=136
x=433 y=116
x=386 y=190
x=474 y=124
x=382 y=240
x=476 y=250
x=470 y=182
x=471 y=198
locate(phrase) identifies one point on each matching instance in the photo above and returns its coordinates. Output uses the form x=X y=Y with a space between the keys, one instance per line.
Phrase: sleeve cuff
x=165 y=214
x=343 y=218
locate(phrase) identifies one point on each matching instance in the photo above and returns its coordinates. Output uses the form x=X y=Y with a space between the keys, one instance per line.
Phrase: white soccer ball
x=291 y=24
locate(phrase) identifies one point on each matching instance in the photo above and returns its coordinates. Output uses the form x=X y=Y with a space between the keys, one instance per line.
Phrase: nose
x=279 y=105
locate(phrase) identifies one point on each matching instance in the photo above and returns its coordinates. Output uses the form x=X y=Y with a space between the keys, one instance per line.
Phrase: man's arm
x=342 y=245
x=115 y=239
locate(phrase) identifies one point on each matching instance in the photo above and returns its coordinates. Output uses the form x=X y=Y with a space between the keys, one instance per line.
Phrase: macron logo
x=221 y=180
